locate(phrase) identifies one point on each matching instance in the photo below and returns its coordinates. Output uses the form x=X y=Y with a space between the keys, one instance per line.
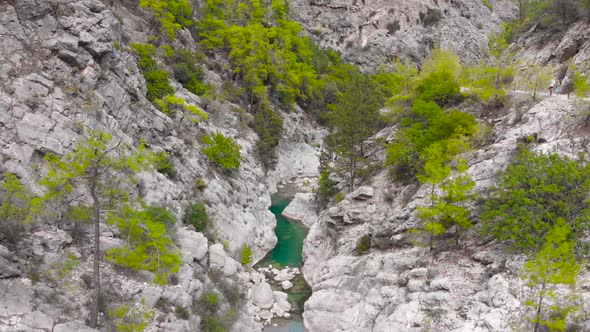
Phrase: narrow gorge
x=303 y=165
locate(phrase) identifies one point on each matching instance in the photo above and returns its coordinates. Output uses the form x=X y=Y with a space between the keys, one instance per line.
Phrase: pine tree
x=92 y=176
x=353 y=119
x=448 y=210
x=553 y=265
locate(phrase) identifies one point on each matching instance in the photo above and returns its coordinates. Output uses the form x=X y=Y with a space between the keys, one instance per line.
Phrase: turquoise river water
x=287 y=252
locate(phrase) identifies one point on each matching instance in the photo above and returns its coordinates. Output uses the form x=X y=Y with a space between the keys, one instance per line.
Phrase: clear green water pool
x=290 y=235
x=288 y=252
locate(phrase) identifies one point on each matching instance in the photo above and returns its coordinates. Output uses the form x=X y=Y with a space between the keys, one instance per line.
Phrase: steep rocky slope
x=401 y=286
x=61 y=75
x=372 y=32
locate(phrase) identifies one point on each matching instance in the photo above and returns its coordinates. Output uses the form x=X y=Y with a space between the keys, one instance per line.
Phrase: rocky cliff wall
x=61 y=75
x=402 y=286
x=373 y=32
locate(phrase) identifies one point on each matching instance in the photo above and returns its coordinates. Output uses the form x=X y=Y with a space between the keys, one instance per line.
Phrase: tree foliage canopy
x=534 y=193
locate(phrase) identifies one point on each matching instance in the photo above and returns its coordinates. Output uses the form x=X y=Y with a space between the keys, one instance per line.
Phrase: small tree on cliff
x=93 y=177
x=354 y=119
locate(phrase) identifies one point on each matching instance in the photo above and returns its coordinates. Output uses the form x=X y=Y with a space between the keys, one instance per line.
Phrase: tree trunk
x=96 y=217
x=538 y=314
x=352 y=166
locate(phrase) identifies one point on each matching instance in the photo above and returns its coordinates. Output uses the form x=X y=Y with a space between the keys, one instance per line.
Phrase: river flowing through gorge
x=287 y=254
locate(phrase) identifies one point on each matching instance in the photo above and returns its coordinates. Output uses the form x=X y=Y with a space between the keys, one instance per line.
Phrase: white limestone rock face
x=302 y=209
x=399 y=286
x=61 y=76
x=194 y=245
x=370 y=33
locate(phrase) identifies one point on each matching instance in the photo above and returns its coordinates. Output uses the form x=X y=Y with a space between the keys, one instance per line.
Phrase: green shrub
x=223 y=151
x=182 y=313
x=188 y=72
x=146 y=53
x=213 y=324
x=133 y=319
x=164 y=166
x=393 y=27
x=488 y=4
x=200 y=184
x=172 y=14
x=339 y=197
x=432 y=17
x=440 y=87
x=161 y=215
x=428 y=125
x=158 y=85
x=269 y=127
x=327 y=188
x=18 y=208
x=209 y=303
x=196 y=215
x=246 y=255
x=363 y=245
x=148 y=247
x=533 y=192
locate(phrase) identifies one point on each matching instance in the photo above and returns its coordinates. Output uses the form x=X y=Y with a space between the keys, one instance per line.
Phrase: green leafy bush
x=425 y=126
x=134 y=319
x=18 y=208
x=188 y=72
x=161 y=215
x=196 y=215
x=182 y=313
x=164 y=166
x=158 y=84
x=171 y=103
x=172 y=14
x=148 y=247
x=440 y=87
x=209 y=303
x=363 y=245
x=327 y=188
x=432 y=17
x=156 y=79
x=533 y=192
x=223 y=151
x=246 y=255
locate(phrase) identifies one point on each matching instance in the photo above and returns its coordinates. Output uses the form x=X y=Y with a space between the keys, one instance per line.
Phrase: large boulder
x=8 y=264
x=194 y=245
x=262 y=295
x=73 y=327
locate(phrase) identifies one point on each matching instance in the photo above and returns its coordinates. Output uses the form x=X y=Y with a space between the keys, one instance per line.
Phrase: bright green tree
x=172 y=14
x=246 y=254
x=532 y=193
x=446 y=211
x=147 y=245
x=538 y=77
x=554 y=264
x=100 y=170
x=18 y=207
x=223 y=151
x=427 y=124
